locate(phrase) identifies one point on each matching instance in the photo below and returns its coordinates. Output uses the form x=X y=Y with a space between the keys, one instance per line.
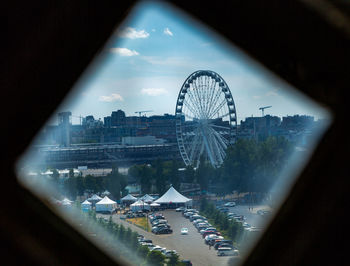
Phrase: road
x=251 y=215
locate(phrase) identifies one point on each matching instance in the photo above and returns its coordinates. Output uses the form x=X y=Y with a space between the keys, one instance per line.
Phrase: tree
x=55 y=177
x=142 y=251
x=80 y=184
x=155 y=258
x=189 y=174
x=90 y=183
x=203 y=173
x=173 y=259
x=159 y=177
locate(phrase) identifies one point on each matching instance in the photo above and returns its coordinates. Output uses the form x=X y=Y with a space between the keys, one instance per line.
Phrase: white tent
x=129 y=197
x=106 y=205
x=94 y=198
x=172 y=196
x=147 y=198
x=139 y=206
x=66 y=202
x=154 y=205
x=86 y=205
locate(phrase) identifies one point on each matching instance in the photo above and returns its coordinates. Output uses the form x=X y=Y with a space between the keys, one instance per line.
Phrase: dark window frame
x=47 y=47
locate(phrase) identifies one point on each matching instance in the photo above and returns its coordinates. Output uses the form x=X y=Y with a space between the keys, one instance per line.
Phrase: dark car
x=145 y=241
x=163 y=231
x=186 y=262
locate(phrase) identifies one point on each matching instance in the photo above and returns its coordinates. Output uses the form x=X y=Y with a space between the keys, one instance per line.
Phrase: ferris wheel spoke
x=193 y=111
x=220 y=138
x=218 y=148
x=195 y=102
x=211 y=95
x=215 y=149
x=214 y=101
x=195 y=145
x=217 y=109
x=221 y=127
x=196 y=92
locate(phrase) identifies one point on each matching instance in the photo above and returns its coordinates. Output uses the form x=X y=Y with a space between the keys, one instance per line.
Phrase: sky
x=147 y=59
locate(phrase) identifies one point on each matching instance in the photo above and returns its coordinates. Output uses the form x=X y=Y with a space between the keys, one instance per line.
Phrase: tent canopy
x=129 y=197
x=154 y=204
x=147 y=198
x=139 y=205
x=106 y=201
x=94 y=198
x=172 y=196
x=86 y=202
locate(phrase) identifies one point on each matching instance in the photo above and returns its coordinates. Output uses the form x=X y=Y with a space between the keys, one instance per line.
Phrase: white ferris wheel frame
x=203 y=99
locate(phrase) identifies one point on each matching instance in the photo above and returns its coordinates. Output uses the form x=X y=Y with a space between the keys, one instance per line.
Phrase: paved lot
x=192 y=246
x=253 y=218
x=189 y=246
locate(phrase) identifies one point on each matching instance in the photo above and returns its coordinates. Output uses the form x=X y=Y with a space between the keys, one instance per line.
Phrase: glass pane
x=176 y=135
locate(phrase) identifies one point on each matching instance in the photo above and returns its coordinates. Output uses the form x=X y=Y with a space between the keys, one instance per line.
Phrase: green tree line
x=114 y=182
x=231 y=229
x=249 y=166
x=131 y=247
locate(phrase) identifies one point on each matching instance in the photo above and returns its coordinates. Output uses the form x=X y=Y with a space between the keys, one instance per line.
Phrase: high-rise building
x=118 y=118
x=64 y=123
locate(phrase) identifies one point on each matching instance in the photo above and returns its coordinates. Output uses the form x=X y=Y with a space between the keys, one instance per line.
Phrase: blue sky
x=147 y=59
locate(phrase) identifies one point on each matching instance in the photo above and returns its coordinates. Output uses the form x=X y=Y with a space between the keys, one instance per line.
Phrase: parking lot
x=192 y=246
x=189 y=246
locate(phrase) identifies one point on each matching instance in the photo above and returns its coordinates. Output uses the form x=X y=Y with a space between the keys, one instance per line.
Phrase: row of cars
x=167 y=253
x=211 y=236
x=159 y=224
x=149 y=243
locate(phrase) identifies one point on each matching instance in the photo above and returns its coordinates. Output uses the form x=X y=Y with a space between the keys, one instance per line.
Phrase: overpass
x=102 y=155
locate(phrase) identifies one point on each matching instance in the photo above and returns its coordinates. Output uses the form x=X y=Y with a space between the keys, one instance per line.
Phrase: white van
x=227 y=252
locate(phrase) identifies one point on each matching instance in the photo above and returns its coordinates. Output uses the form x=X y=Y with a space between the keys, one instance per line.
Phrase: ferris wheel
x=206 y=119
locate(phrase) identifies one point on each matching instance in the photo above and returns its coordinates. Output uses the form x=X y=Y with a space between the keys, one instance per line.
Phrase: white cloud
x=132 y=33
x=154 y=91
x=111 y=98
x=123 y=51
x=272 y=93
x=168 y=32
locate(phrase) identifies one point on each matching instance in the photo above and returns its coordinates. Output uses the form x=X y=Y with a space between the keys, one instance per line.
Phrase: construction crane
x=140 y=112
x=263 y=108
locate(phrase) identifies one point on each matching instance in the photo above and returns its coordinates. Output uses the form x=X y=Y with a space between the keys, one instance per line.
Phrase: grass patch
x=141 y=222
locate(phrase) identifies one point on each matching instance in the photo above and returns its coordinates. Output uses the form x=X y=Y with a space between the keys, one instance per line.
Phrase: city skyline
x=147 y=59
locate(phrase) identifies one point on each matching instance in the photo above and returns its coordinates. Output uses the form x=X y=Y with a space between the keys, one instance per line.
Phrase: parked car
x=160 y=226
x=149 y=245
x=143 y=240
x=230 y=204
x=180 y=209
x=168 y=253
x=158 y=248
x=184 y=231
x=211 y=237
x=160 y=221
x=227 y=252
x=221 y=242
x=163 y=231
x=186 y=262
